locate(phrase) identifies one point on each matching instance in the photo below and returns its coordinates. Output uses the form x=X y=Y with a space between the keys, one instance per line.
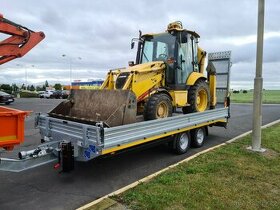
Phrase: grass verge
x=230 y=177
x=269 y=97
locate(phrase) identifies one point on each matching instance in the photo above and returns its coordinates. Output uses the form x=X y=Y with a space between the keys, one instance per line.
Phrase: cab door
x=185 y=62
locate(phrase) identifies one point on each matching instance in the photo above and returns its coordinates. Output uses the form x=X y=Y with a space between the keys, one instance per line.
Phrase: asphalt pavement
x=45 y=188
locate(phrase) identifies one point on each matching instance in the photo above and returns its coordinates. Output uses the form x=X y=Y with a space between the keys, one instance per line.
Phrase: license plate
x=10 y=100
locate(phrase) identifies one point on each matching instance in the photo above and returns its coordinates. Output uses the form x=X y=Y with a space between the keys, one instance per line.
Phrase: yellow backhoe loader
x=168 y=74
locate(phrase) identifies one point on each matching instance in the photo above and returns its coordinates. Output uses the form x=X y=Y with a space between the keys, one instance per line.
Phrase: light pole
x=33 y=66
x=258 y=83
x=70 y=67
x=20 y=65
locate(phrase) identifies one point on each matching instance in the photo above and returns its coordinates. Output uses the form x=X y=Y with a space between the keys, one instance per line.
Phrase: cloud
x=100 y=32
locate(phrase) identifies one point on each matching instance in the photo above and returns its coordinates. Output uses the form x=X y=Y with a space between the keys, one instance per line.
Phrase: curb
x=149 y=177
x=251 y=104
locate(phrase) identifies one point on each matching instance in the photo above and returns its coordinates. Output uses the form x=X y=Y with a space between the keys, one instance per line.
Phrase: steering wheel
x=162 y=56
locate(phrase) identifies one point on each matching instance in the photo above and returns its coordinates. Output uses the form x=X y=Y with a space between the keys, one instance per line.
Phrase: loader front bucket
x=112 y=107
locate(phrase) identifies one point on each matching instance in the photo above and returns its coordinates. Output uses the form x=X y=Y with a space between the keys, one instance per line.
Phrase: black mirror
x=132 y=45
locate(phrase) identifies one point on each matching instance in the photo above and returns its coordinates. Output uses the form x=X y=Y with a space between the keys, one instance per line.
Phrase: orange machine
x=11 y=127
x=20 y=41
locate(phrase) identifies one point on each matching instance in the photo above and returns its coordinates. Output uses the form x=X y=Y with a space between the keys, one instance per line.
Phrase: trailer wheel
x=198 y=136
x=158 y=106
x=181 y=143
x=198 y=98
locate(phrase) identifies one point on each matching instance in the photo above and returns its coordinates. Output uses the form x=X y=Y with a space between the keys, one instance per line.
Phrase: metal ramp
x=222 y=64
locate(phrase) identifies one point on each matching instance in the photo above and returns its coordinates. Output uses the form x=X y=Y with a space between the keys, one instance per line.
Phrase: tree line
x=14 y=88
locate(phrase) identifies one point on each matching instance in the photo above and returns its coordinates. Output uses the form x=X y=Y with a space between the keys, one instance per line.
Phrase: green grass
x=230 y=177
x=269 y=97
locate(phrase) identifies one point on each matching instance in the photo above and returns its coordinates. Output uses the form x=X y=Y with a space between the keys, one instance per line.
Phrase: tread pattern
x=151 y=105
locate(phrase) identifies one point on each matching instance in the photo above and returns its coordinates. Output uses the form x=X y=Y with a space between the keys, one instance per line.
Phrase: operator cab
x=177 y=47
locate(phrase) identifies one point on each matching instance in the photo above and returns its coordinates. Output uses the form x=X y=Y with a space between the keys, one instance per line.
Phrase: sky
x=95 y=36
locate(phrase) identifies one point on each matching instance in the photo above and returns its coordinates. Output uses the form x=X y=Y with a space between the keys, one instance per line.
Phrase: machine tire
x=182 y=143
x=158 y=106
x=198 y=137
x=198 y=98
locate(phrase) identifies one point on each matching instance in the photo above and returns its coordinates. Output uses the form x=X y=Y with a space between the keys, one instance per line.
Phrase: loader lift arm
x=20 y=41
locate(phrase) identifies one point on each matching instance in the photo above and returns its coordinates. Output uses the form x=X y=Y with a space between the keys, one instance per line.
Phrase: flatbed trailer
x=67 y=141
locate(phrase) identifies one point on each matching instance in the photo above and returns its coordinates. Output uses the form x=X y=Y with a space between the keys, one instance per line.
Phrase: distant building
x=94 y=84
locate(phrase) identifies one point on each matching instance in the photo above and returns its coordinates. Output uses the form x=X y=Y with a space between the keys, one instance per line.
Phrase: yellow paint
x=212 y=87
x=142 y=78
x=145 y=67
x=145 y=82
x=201 y=57
x=8 y=138
x=180 y=98
x=194 y=76
x=109 y=82
x=127 y=84
x=201 y=100
x=141 y=141
x=91 y=87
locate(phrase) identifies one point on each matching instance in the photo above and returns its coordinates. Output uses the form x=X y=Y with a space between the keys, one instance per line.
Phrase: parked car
x=65 y=94
x=40 y=92
x=57 y=94
x=46 y=94
x=60 y=94
x=6 y=98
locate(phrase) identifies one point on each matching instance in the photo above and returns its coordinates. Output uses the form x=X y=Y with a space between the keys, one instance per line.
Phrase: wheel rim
x=162 y=110
x=200 y=136
x=184 y=141
x=201 y=100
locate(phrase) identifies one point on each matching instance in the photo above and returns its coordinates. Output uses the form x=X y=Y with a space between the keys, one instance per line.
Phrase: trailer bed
x=91 y=141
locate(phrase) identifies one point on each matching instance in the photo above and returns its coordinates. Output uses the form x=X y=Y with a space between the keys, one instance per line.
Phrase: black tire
x=195 y=91
x=198 y=137
x=181 y=143
x=7 y=103
x=154 y=105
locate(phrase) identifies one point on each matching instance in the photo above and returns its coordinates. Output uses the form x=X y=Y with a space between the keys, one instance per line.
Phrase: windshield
x=4 y=94
x=158 y=47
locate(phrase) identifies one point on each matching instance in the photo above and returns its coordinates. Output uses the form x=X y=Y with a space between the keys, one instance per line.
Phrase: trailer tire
x=181 y=143
x=158 y=106
x=198 y=98
x=198 y=137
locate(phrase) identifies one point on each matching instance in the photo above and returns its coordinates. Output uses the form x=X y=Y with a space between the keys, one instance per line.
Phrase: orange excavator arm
x=20 y=41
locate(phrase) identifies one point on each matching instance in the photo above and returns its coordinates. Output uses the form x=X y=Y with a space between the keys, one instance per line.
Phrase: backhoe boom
x=20 y=41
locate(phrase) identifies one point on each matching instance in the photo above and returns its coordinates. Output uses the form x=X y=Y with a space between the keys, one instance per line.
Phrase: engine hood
x=154 y=66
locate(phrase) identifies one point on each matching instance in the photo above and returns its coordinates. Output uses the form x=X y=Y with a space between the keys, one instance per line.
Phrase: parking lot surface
x=45 y=188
